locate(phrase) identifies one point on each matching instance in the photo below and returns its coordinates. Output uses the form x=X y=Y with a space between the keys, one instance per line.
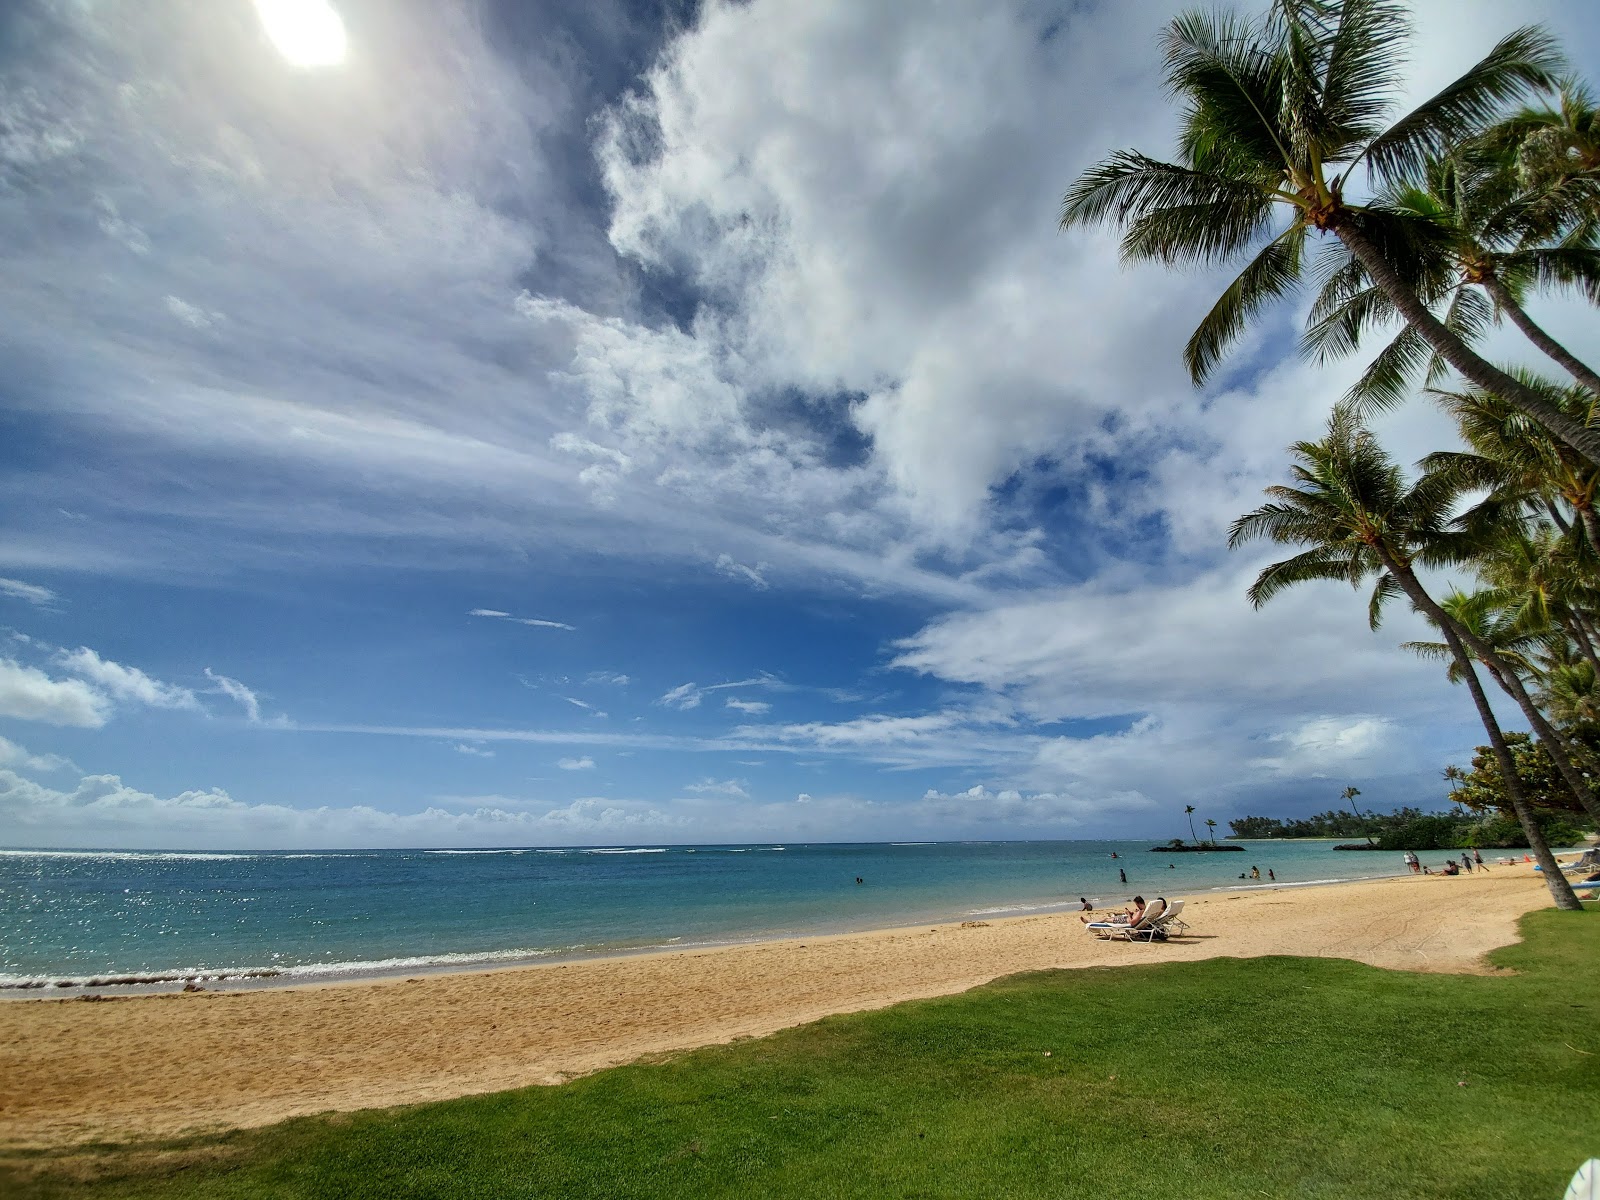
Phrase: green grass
x=1227 y=1078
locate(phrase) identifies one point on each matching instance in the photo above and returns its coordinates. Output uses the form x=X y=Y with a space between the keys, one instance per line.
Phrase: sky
x=595 y=423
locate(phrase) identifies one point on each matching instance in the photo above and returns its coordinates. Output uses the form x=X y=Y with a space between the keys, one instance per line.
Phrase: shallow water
x=72 y=917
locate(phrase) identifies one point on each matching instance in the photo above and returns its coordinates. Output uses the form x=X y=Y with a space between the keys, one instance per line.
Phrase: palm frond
x=1269 y=276
x=1524 y=60
x=1314 y=564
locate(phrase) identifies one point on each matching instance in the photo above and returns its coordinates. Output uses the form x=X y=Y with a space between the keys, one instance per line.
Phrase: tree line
x=1422 y=231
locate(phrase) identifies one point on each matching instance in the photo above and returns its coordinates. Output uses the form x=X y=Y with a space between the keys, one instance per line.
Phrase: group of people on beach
x=1451 y=866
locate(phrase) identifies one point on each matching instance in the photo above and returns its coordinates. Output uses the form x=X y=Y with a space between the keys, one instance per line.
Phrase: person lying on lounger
x=1128 y=916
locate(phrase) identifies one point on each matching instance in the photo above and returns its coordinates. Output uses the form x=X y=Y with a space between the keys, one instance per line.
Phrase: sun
x=308 y=33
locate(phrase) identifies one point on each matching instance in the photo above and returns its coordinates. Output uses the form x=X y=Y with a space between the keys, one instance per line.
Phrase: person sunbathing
x=1128 y=916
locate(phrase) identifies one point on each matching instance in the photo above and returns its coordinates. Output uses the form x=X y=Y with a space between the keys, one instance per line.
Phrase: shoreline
x=133 y=1067
x=169 y=981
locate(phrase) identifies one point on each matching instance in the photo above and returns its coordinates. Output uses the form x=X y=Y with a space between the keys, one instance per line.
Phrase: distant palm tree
x=1188 y=811
x=1350 y=794
x=1212 y=826
x=1279 y=113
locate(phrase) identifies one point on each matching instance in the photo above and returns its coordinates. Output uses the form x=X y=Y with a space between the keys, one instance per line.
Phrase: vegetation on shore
x=1430 y=228
x=1211 y=1080
x=1411 y=829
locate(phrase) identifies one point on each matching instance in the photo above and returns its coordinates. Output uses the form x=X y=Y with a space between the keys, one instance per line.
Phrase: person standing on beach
x=1272 y=875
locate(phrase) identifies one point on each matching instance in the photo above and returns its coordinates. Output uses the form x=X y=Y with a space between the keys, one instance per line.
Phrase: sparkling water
x=150 y=917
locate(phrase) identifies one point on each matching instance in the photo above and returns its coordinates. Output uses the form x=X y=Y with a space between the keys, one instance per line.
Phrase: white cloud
x=30 y=694
x=43 y=597
x=576 y=764
x=13 y=755
x=720 y=787
x=191 y=315
x=755 y=708
x=103 y=811
x=475 y=751
x=726 y=565
x=126 y=683
x=684 y=696
x=535 y=622
x=608 y=679
x=690 y=695
x=237 y=691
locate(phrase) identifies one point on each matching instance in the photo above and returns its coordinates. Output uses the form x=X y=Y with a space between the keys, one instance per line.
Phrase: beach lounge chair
x=1142 y=930
x=1171 y=923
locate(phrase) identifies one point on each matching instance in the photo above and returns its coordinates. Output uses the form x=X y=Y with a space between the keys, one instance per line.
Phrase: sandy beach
x=152 y=1066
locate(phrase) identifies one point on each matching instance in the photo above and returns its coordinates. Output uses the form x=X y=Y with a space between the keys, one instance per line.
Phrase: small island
x=1194 y=845
x=1179 y=846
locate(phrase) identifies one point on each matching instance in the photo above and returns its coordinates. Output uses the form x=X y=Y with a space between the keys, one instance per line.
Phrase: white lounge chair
x=1171 y=923
x=1144 y=929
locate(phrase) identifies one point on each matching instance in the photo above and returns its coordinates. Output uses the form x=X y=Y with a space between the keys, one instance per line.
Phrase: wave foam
x=129 y=855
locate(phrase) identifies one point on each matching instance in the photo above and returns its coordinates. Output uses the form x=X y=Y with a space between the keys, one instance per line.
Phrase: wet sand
x=153 y=1066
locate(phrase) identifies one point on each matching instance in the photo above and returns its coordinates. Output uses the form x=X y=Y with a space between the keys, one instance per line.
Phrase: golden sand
x=145 y=1066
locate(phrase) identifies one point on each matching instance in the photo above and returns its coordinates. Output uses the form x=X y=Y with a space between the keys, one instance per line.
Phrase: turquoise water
x=154 y=917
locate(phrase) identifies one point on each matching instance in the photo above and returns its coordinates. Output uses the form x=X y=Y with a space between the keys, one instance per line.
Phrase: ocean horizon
x=138 y=920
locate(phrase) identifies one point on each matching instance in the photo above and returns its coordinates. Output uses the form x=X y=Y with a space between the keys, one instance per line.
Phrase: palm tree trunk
x=1456 y=352
x=1551 y=348
x=1560 y=887
x=1591 y=526
x=1578 y=631
x=1554 y=744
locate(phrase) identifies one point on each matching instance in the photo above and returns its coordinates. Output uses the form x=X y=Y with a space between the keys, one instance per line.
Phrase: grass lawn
x=1229 y=1078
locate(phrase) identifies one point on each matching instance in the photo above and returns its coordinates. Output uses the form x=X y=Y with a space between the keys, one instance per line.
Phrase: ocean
x=146 y=920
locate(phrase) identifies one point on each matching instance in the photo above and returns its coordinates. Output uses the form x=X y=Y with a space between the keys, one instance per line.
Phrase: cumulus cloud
x=28 y=693
x=13 y=755
x=576 y=764
x=754 y=708
x=474 y=751
x=104 y=811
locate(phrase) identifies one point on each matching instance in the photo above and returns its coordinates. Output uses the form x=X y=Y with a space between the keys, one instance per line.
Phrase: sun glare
x=308 y=33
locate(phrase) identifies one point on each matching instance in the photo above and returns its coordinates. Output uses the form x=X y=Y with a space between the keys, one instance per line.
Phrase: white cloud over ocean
x=749 y=353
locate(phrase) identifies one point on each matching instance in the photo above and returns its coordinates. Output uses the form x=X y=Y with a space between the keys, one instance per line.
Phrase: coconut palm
x=1487 y=243
x=1360 y=520
x=1461 y=670
x=1279 y=113
x=1188 y=811
x=1349 y=796
x=1554 y=144
x=1518 y=463
x=1211 y=828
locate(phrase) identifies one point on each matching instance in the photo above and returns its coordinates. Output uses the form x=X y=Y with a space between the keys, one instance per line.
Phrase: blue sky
x=598 y=423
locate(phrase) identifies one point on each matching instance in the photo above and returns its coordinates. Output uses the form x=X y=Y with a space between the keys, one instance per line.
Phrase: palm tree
x=1350 y=794
x=1554 y=144
x=1279 y=113
x=1188 y=811
x=1360 y=520
x=1211 y=826
x=1466 y=611
x=1476 y=229
x=1518 y=463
